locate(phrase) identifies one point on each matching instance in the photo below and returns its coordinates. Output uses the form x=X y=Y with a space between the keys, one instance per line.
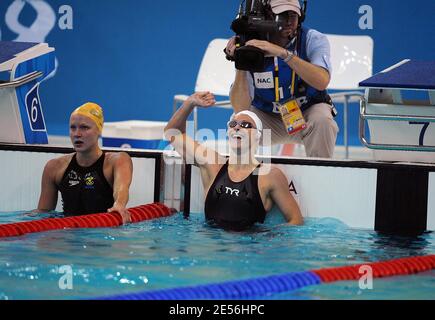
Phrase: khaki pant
x=318 y=137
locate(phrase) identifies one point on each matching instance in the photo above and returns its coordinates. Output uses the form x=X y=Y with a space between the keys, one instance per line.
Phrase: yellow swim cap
x=93 y=111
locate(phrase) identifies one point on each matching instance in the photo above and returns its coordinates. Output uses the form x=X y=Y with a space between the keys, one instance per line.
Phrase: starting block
x=23 y=66
x=399 y=110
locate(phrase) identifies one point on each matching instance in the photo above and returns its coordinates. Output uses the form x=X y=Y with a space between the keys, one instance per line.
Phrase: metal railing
x=346 y=100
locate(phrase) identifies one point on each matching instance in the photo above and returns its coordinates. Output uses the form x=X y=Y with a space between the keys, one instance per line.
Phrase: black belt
x=315 y=100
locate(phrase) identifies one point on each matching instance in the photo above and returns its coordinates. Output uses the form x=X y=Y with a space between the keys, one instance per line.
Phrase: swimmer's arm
x=49 y=192
x=280 y=194
x=122 y=177
x=240 y=95
x=175 y=131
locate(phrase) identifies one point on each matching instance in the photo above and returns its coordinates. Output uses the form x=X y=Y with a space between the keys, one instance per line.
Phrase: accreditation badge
x=292 y=117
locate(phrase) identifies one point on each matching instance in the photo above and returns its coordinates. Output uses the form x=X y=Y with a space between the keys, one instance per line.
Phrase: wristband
x=290 y=56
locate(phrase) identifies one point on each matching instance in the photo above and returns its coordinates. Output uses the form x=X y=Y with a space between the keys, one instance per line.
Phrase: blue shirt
x=262 y=86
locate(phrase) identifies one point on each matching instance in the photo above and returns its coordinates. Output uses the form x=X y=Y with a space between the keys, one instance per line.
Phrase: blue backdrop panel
x=132 y=56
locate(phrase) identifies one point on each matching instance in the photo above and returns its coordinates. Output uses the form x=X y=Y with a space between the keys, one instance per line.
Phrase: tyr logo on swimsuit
x=231 y=191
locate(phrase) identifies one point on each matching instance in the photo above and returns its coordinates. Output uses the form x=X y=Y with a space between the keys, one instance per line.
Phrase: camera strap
x=276 y=80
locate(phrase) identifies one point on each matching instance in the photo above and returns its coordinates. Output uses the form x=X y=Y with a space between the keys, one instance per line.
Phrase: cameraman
x=310 y=67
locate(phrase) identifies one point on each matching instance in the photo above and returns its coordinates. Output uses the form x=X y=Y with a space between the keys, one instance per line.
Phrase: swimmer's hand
x=31 y=214
x=35 y=212
x=202 y=99
x=125 y=215
x=289 y=224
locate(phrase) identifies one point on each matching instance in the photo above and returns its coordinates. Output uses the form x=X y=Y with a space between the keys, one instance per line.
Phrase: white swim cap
x=254 y=117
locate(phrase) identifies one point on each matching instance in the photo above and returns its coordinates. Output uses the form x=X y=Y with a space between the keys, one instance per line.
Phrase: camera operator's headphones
x=303 y=12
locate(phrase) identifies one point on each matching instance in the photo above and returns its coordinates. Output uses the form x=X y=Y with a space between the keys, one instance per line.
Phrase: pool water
x=173 y=252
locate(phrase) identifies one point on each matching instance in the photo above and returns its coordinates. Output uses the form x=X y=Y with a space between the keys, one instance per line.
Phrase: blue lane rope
x=241 y=289
x=260 y=287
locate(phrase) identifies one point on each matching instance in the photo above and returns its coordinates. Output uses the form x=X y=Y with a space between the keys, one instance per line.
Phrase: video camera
x=255 y=20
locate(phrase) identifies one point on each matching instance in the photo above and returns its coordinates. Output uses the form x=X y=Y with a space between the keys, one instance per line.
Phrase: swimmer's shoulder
x=60 y=162
x=116 y=158
x=270 y=174
x=270 y=170
x=57 y=166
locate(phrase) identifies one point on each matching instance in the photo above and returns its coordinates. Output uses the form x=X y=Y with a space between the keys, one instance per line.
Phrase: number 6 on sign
x=34 y=111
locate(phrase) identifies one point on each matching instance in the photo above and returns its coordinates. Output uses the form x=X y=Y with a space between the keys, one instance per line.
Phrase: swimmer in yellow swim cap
x=93 y=111
x=89 y=180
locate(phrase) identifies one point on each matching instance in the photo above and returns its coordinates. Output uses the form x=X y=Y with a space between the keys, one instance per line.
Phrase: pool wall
x=431 y=202
x=21 y=170
x=343 y=193
x=396 y=198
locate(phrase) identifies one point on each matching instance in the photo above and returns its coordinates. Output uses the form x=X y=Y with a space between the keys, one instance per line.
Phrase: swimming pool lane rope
x=267 y=286
x=97 y=220
x=241 y=289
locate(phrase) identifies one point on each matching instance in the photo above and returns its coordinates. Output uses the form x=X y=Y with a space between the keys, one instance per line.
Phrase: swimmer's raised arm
x=192 y=151
x=198 y=99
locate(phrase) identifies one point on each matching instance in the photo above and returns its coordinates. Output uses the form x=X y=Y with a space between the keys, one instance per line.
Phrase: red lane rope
x=96 y=220
x=402 y=266
x=275 y=284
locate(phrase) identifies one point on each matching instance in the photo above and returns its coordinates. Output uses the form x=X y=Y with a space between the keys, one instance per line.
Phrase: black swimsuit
x=234 y=205
x=85 y=189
